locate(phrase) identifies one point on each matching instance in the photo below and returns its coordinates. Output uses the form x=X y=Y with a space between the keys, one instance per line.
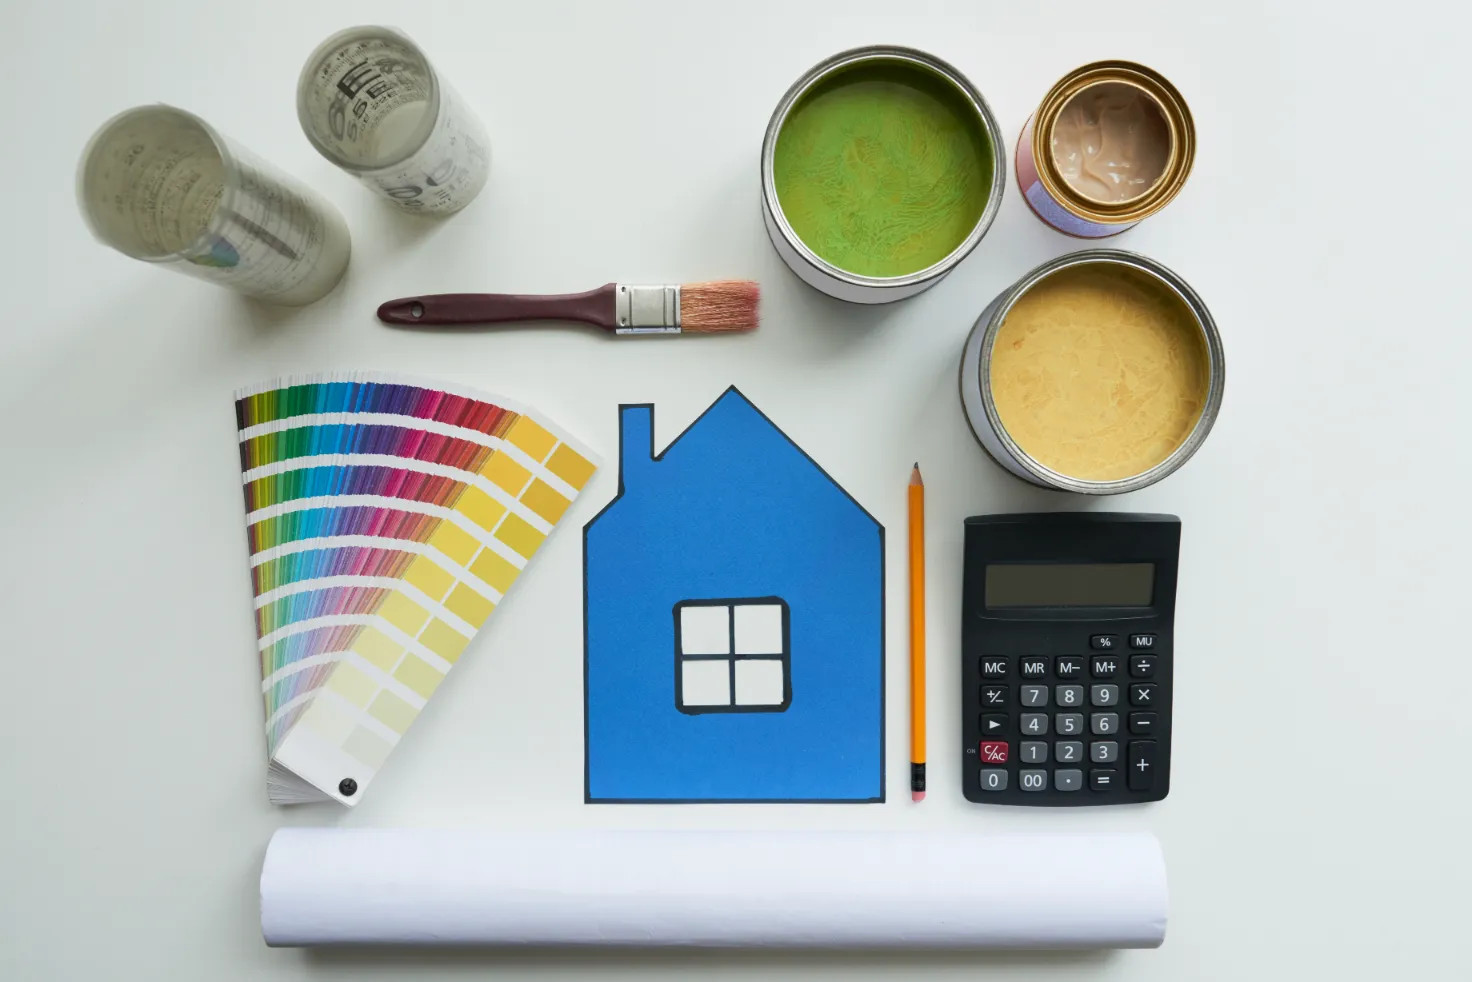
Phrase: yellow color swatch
x=367 y=746
x=330 y=723
x=546 y=501
x=530 y=437
x=469 y=606
x=480 y=508
x=571 y=466
x=352 y=684
x=392 y=712
x=444 y=640
x=419 y=675
x=428 y=576
x=519 y=535
x=403 y=613
x=378 y=649
x=454 y=542
x=506 y=473
x=494 y=570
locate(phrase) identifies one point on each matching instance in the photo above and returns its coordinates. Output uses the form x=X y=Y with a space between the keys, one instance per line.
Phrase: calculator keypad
x=1084 y=728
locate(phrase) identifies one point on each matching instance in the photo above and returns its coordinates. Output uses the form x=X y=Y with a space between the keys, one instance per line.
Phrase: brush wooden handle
x=595 y=307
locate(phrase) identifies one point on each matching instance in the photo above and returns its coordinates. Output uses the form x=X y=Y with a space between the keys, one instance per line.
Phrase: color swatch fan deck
x=386 y=520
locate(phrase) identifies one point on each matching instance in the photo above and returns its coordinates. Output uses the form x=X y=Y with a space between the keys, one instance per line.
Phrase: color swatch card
x=387 y=519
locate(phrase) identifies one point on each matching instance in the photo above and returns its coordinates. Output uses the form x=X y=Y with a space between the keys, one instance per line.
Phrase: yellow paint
x=419 y=675
x=1098 y=373
x=494 y=571
x=327 y=721
x=505 y=473
x=378 y=648
x=517 y=533
x=546 y=501
x=367 y=746
x=403 y=613
x=392 y=712
x=428 y=576
x=571 y=466
x=444 y=640
x=480 y=508
x=454 y=542
x=352 y=684
x=469 y=606
x=530 y=437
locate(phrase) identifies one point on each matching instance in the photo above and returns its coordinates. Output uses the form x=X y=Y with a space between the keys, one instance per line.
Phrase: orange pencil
x=917 y=635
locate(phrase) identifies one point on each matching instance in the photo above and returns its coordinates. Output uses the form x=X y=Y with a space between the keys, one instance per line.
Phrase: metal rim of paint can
x=823 y=275
x=1061 y=207
x=307 y=81
x=976 y=383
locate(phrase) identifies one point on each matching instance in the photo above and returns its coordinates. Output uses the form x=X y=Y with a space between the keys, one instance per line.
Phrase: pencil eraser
x=917 y=795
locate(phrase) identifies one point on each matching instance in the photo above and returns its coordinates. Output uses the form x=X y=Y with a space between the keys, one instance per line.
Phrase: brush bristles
x=722 y=305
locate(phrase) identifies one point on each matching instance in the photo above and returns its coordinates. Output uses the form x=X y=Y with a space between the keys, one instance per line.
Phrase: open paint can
x=1111 y=144
x=882 y=168
x=1098 y=372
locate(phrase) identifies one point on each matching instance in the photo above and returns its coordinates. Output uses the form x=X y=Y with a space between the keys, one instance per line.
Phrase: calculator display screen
x=1070 y=584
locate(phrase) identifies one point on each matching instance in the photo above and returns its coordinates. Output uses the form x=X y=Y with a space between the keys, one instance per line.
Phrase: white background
x=1318 y=819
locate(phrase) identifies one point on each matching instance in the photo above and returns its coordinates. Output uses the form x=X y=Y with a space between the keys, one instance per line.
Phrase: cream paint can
x=881 y=169
x=1111 y=144
x=1105 y=386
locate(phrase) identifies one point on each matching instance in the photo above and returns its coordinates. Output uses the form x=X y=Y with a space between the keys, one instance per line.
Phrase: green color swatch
x=883 y=169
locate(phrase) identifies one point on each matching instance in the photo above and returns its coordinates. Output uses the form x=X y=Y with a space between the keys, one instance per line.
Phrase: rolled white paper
x=718 y=889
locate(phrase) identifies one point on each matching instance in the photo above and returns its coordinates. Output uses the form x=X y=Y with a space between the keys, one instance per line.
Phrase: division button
x=1142 y=666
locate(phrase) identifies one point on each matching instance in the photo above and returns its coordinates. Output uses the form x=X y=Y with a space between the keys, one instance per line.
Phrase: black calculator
x=1066 y=646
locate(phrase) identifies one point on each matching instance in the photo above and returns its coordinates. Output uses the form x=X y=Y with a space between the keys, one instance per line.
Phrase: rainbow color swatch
x=386 y=520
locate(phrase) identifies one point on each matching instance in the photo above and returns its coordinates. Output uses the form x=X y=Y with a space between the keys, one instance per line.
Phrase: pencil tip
x=915 y=475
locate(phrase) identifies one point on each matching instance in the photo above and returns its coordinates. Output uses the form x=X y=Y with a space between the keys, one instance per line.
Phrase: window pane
x=759 y=630
x=759 y=682
x=705 y=630
x=706 y=682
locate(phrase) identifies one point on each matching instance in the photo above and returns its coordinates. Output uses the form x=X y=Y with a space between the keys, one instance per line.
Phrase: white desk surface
x=1319 y=812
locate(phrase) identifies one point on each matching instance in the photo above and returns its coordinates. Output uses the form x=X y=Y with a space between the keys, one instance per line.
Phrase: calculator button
x=993 y=725
x=1102 y=724
x=1032 y=780
x=1034 y=695
x=1033 y=668
x=993 y=667
x=1068 y=752
x=1142 y=765
x=1104 y=666
x=1034 y=724
x=1068 y=780
x=994 y=751
x=994 y=696
x=1069 y=695
x=1034 y=752
x=1104 y=695
x=1068 y=667
x=1142 y=642
x=1069 y=724
x=1142 y=666
x=1104 y=642
x=1143 y=724
x=1103 y=751
x=1143 y=694
x=993 y=779
x=1103 y=779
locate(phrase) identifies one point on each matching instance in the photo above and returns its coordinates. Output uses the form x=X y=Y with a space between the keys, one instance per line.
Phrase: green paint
x=883 y=169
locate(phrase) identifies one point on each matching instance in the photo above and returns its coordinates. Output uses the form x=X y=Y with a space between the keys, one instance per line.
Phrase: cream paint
x=1111 y=142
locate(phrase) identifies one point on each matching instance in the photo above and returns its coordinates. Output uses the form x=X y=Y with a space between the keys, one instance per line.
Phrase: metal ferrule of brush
x=647 y=309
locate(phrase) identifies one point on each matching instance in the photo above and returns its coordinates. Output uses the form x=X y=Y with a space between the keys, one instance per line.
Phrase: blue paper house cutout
x=734 y=621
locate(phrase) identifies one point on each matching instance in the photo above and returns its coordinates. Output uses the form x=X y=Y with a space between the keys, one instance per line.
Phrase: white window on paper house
x=732 y=656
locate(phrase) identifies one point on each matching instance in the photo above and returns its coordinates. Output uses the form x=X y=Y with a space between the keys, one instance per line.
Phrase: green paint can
x=882 y=167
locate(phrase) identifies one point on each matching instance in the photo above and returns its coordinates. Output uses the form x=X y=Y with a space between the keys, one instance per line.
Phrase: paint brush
x=623 y=308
